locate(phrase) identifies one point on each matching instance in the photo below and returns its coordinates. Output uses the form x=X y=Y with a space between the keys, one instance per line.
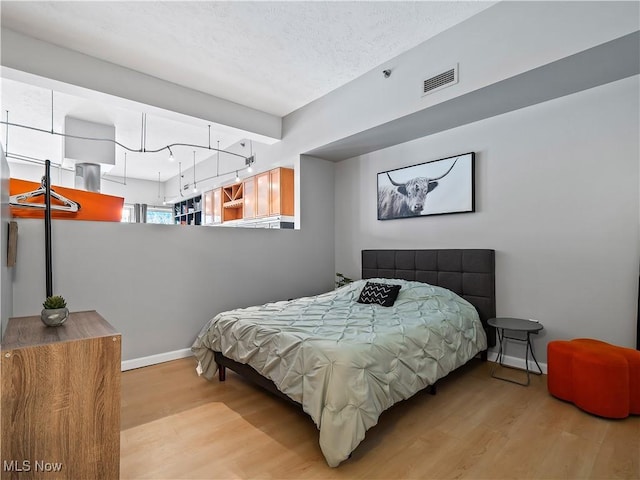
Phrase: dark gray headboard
x=468 y=272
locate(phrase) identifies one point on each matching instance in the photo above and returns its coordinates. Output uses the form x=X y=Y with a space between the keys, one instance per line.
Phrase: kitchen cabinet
x=274 y=193
x=213 y=207
x=232 y=202
x=263 y=186
x=249 y=195
x=265 y=200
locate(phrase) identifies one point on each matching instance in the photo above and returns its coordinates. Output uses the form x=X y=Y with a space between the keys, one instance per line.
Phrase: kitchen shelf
x=232 y=202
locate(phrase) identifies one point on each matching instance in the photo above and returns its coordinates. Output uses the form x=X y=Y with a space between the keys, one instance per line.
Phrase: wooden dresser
x=61 y=399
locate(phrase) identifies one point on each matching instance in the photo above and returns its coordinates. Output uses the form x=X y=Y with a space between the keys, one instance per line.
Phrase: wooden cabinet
x=212 y=207
x=275 y=192
x=61 y=399
x=281 y=191
x=249 y=187
x=188 y=211
x=267 y=194
x=262 y=194
x=232 y=202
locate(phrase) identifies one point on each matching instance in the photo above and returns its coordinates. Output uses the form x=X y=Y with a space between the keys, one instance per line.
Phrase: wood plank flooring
x=178 y=425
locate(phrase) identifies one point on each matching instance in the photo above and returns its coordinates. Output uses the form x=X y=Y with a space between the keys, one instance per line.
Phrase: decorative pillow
x=379 y=293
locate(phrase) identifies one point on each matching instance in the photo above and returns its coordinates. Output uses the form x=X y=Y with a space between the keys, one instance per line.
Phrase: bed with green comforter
x=346 y=362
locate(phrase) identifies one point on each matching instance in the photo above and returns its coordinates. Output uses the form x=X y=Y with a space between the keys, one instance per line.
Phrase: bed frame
x=468 y=272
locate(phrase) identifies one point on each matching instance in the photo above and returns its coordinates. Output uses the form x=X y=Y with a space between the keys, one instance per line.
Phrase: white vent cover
x=445 y=78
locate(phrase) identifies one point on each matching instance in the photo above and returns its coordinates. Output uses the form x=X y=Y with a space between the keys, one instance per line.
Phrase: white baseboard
x=517 y=362
x=154 y=359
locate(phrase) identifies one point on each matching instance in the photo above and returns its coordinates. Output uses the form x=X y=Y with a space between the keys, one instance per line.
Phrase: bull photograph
x=432 y=188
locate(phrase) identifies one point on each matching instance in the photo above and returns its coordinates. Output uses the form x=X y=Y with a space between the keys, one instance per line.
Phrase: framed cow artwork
x=437 y=187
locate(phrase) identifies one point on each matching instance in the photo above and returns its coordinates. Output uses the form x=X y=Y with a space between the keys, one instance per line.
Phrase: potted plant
x=341 y=280
x=55 y=311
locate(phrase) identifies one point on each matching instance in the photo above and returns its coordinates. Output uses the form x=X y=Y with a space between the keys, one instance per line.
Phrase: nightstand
x=61 y=398
x=515 y=325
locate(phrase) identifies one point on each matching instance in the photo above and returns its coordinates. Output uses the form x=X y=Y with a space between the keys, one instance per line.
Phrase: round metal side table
x=515 y=325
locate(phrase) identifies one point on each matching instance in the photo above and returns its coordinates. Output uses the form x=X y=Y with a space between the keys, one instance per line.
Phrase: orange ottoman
x=560 y=369
x=598 y=377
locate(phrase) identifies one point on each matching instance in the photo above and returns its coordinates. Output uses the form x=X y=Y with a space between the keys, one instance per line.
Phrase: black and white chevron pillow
x=379 y=293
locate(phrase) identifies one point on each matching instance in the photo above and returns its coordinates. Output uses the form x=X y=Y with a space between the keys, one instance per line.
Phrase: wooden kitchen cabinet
x=255 y=199
x=232 y=202
x=274 y=192
x=61 y=399
x=262 y=194
x=281 y=201
x=249 y=187
x=213 y=207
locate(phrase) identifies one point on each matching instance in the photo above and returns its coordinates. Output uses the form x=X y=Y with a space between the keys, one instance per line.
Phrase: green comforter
x=347 y=362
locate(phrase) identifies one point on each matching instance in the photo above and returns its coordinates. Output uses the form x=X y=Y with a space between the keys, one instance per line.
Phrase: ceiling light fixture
x=249 y=161
x=143 y=136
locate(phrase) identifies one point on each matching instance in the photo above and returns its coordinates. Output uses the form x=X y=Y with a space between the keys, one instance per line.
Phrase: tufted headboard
x=468 y=272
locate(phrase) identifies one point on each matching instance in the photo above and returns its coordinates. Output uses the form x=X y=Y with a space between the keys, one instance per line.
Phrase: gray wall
x=556 y=196
x=159 y=284
x=6 y=285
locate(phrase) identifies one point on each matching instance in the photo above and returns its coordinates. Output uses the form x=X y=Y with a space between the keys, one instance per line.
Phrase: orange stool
x=597 y=377
x=560 y=369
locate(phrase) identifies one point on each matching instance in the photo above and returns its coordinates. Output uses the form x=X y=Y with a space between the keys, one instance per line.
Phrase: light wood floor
x=178 y=425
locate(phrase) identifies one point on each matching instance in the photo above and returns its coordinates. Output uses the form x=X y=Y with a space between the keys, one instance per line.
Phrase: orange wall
x=93 y=206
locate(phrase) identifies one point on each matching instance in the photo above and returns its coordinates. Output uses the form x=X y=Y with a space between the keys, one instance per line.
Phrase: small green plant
x=53 y=302
x=341 y=280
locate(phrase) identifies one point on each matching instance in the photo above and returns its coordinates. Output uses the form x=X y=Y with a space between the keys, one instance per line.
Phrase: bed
x=345 y=362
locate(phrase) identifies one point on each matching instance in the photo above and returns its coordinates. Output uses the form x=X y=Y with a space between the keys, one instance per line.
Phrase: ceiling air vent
x=441 y=80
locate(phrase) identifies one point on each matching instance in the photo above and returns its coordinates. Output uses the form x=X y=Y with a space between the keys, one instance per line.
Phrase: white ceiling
x=271 y=56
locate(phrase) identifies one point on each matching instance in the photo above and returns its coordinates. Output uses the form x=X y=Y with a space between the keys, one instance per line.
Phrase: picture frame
x=438 y=187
